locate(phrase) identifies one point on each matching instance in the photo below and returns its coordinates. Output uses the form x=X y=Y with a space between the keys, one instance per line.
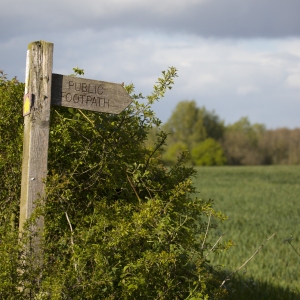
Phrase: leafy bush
x=118 y=224
x=11 y=130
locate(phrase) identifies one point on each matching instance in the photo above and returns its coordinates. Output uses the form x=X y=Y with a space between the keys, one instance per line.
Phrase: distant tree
x=208 y=153
x=212 y=123
x=252 y=131
x=186 y=125
x=294 y=147
x=241 y=143
x=173 y=151
x=281 y=146
x=151 y=140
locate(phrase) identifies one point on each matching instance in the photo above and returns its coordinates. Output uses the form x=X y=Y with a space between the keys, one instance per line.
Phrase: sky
x=236 y=57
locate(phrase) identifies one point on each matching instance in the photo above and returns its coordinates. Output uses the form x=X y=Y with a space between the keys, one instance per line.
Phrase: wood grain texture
x=89 y=94
x=36 y=129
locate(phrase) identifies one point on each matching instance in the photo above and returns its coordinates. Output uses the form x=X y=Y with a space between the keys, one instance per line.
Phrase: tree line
x=210 y=142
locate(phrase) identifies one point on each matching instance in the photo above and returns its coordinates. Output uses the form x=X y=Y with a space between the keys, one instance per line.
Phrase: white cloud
x=293 y=81
x=206 y=18
x=236 y=77
x=246 y=90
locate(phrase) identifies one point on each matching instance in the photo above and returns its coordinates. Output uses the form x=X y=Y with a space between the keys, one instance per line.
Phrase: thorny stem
x=85 y=116
x=293 y=248
x=146 y=188
x=72 y=231
x=213 y=247
x=206 y=230
x=133 y=188
x=72 y=241
x=228 y=277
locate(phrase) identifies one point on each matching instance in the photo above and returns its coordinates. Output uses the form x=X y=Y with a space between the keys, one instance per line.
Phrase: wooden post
x=36 y=113
x=67 y=91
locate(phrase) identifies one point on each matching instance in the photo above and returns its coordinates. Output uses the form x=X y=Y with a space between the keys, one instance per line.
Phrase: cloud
x=293 y=81
x=207 y=18
x=234 y=56
x=246 y=90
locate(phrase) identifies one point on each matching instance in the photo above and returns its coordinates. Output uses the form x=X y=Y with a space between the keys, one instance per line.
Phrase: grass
x=258 y=201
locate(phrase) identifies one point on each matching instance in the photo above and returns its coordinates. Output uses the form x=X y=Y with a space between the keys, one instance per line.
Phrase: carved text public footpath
x=88 y=94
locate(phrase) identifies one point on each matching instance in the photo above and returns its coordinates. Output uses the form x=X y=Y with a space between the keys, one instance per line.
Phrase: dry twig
x=228 y=277
x=206 y=230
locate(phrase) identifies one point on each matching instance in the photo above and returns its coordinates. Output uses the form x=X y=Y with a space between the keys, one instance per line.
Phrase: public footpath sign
x=43 y=89
x=89 y=94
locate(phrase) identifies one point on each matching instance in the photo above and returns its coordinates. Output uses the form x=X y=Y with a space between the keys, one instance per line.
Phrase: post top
x=40 y=43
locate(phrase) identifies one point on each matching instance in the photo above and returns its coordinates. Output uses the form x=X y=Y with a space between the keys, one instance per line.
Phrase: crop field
x=258 y=201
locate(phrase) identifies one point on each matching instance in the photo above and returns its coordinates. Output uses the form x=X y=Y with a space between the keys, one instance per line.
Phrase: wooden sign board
x=88 y=94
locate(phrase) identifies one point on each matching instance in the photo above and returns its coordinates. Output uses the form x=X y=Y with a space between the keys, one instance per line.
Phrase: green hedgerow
x=118 y=224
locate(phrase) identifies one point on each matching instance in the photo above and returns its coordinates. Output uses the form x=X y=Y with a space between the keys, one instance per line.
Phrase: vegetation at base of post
x=118 y=224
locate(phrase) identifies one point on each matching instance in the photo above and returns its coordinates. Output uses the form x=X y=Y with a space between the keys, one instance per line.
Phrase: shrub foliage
x=118 y=224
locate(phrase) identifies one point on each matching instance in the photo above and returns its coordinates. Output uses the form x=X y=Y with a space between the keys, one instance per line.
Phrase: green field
x=258 y=201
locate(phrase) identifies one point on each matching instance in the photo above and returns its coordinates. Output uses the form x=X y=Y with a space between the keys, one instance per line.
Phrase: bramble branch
x=228 y=277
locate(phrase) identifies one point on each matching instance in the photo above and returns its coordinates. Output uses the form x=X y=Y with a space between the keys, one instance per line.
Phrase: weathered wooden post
x=36 y=113
x=43 y=89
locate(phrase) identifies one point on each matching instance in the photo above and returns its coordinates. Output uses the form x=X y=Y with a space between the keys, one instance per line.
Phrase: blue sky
x=237 y=57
